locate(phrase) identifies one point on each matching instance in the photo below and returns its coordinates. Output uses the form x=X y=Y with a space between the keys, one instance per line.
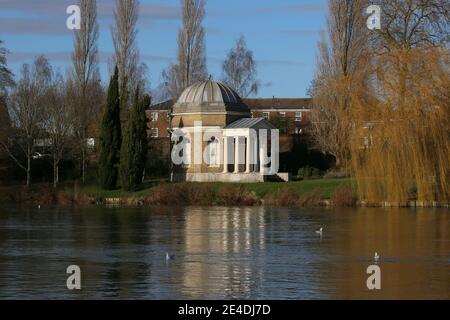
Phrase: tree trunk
x=29 y=166
x=338 y=162
x=55 y=174
x=83 y=165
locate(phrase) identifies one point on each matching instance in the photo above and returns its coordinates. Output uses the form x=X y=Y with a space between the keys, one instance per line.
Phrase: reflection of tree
x=110 y=261
x=406 y=241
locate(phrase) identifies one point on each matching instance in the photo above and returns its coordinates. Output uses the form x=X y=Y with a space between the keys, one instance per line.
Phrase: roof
x=166 y=105
x=257 y=104
x=209 y=96
x=278 y=103
x=209 y=92
x=255 y=123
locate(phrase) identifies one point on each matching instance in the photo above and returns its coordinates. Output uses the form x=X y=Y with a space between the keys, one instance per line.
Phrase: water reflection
x=414 y=247
x=255 y=253
x=219 y=250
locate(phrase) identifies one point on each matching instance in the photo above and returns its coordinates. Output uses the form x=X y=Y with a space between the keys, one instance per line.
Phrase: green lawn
x=326 y=186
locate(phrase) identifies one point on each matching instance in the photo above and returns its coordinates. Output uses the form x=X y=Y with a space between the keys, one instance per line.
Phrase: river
x=224 y=253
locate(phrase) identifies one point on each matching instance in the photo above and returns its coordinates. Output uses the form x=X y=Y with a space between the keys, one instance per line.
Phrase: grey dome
x=209 y=96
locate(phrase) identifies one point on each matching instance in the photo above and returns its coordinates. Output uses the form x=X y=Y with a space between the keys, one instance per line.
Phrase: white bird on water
x=320 y=231
x=376 y=257
x=169 y=257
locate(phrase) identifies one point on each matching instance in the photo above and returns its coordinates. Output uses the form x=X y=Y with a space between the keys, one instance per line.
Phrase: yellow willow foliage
x=400 y=142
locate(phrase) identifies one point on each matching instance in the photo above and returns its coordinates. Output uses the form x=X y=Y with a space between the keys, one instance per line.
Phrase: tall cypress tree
x=135 y=145
x=110 y=137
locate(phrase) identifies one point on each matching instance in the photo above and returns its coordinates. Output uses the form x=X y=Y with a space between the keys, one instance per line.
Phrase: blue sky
x=282 y=34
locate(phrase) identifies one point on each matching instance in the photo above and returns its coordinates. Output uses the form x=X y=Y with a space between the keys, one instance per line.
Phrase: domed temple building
x=213 y=128
x=216 y=136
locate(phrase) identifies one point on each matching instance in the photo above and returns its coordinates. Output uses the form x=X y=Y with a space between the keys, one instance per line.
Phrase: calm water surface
x=224 y=253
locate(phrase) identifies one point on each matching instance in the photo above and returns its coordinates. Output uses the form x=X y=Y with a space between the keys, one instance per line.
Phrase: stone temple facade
x=214 y=134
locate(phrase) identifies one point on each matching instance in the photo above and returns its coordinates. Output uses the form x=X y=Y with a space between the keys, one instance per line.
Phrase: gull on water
x=169 y=257
x=376 y=257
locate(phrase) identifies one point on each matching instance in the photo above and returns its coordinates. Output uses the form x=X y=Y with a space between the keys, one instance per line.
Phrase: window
x=298 y=116
x=266 y=115
x=154 y=116
x=214 y=153
x=154 y=132
x=90 y=142
x=283 y=114
x=186 y=155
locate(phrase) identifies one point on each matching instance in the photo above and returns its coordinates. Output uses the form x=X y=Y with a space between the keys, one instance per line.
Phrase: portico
x=243 y=147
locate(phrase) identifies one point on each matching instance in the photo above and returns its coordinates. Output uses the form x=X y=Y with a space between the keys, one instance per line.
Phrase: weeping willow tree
x=401 y=139
x=400 y=147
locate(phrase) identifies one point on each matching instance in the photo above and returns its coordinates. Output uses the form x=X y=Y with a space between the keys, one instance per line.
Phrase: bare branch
x=239 y=70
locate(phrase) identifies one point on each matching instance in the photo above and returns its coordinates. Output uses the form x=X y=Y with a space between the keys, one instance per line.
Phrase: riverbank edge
x=319 y=193
x=136 y=202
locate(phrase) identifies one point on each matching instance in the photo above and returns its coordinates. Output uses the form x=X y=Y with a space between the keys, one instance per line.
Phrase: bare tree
x=26 y=110
x=5 y=122
x=412 y=23
x=191 y=64
x=86 y=77
x=140 y=79
x=6 y=76
x=406 y=26
x=126 y=56
x=58 y=123
x=161 y=93
x=339 y=77
x=239 y=70
x=6 y=81
x=85 y=55
x=5 y=129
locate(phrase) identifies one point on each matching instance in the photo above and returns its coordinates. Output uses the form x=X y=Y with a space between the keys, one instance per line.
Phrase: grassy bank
x=292 y=194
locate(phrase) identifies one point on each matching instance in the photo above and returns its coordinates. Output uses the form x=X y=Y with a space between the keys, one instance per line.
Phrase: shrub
x=344 y=197
x=309 y=173
x=289 y=198
x=316 y=173
x=232 y=195
x=337 y=174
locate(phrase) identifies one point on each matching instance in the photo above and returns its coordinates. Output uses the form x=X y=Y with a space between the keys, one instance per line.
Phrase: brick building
x=291 y=112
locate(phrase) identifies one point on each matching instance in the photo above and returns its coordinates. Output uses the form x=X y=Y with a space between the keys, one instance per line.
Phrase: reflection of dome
x=209 y=96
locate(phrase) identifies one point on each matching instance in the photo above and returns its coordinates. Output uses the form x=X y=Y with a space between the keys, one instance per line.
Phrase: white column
x=274 y=155
x=225 y=155
x=256 y=154
x=262 y=156
x=236 y=154
x=248 y=157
